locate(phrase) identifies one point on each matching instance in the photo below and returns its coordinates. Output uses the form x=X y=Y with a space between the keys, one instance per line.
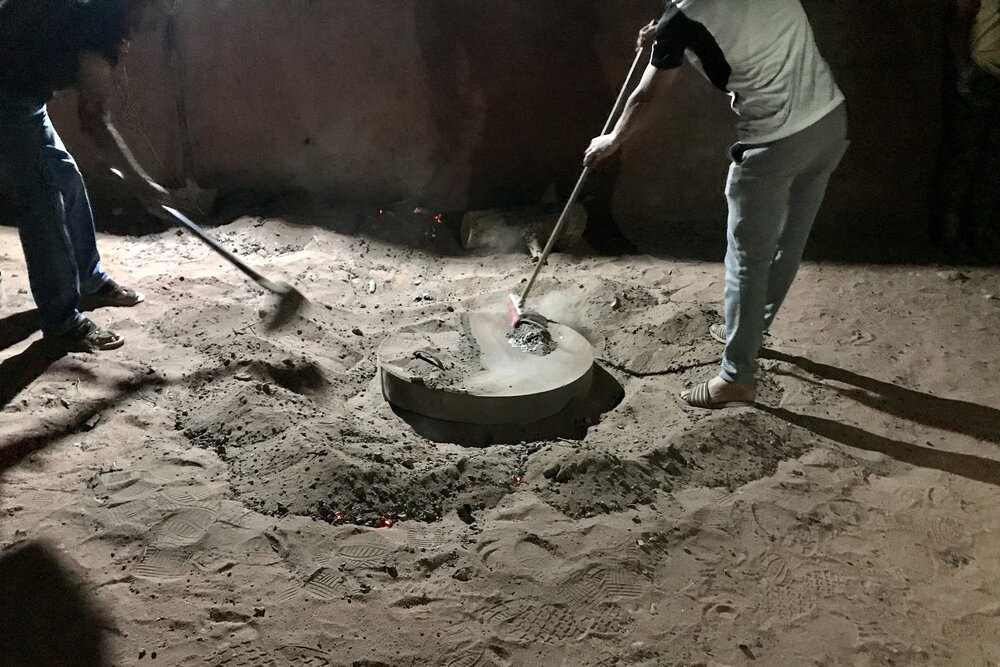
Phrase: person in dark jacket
x=967 y=200
x=48 y=46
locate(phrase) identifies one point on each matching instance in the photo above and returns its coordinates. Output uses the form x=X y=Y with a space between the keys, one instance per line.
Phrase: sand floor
x=218 y=495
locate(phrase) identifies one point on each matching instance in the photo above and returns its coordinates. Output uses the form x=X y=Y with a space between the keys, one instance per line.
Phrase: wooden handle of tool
x=186 y=222
x=173 y=215
x=564 y=217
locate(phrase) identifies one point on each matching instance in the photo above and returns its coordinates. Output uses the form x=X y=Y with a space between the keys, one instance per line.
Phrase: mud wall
x=472 y=103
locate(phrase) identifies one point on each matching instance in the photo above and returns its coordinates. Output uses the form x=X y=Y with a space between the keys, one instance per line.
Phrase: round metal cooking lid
x=466 y=371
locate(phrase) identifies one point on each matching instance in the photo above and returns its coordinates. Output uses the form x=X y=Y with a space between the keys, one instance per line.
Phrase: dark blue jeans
x=54 y=218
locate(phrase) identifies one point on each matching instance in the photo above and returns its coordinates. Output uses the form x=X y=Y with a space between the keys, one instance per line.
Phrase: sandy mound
x=300 y=421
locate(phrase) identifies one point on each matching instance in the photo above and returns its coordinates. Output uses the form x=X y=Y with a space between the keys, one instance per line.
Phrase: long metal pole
x=557 y=232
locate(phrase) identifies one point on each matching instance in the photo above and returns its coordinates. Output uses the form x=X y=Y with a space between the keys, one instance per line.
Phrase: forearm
x=94 y=83
x=633 y=118
x=114 y=149
x=636 y=116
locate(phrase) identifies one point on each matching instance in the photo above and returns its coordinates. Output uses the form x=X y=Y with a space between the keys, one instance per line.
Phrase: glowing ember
x=385 y=523
x=437 y=218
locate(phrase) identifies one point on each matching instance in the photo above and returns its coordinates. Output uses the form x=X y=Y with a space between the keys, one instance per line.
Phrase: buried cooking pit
x=473 y=380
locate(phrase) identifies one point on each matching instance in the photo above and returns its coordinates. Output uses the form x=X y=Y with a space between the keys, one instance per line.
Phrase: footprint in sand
x=771 y=520
x=584 y=589
x=906 y=498
x=326 y=584
x=528 y=622
x=772 y=570
x=946 y=532
x=532 y=556
x=798 y=593
x=528 y=554
x=602 y=585
x=842 y=512
x=214 y=561
x=140 y=489
x=425 y=537
x=475 y=654
x=608 y=621
x=364 y=553
x=467 y=659
x=784 y=604
x=303 y=656
x=162 y=564
x=605 y=660
x=289 y=594
x=365 y=549
x=113 y=482
x=717 y=512
x=174 y=498
x=242 y=656
x=941 y=533
x=132 y=512
x=622 y=583
x=185 y=527
x=977 y=632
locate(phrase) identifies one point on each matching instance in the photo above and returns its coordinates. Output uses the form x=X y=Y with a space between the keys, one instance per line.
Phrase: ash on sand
x=532 y=337
x=309 y=433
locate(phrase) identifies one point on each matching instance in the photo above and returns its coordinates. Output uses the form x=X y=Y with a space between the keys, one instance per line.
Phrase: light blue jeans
x=775 y=192
x=54 y=217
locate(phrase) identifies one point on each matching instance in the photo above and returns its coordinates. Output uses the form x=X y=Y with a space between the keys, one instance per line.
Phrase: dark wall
x=474 y=103
x=888 y=58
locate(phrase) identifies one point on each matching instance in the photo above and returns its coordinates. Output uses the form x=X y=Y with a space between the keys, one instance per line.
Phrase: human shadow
x=19 y=371
x=17 y=328
x=305 y=379
x=15 y=450
x=963 y=417
x=969 y=466
x=46 y=618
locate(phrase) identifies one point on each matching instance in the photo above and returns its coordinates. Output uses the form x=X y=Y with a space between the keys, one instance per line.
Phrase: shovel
x=290 y=301
x=516 y=304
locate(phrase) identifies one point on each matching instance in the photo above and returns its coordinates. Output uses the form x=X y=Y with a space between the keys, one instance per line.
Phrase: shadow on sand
x=977 y=421
x=46 y=618
x=17 y=328
x=19 y=371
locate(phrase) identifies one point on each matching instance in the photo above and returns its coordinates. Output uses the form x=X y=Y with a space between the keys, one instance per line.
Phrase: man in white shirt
x=792 y=136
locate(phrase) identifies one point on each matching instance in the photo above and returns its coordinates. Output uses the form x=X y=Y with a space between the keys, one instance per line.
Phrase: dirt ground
x=214 y=494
